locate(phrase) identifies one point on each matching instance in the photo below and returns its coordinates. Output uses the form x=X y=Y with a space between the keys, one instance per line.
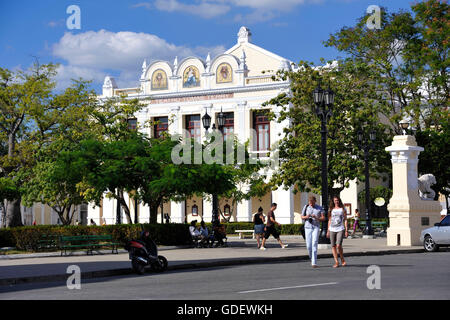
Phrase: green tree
x=436 y=159
x=32 y=116
x=355 y=109
x=249 y=178
x=110 y=124
x=54 y=183
x=409 y=60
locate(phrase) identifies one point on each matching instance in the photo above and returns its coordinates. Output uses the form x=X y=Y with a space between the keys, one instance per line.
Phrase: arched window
x=195 y=210
x=226 y=210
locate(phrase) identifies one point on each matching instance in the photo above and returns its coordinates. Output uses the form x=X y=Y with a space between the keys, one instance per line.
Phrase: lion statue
x=425 y=183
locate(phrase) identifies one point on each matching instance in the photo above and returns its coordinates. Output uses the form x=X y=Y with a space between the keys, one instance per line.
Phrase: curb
x=74 y=254
x=228 y=262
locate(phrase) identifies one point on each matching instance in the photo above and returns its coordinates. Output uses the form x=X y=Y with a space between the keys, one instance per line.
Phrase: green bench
x=48 y=242
x=88 y=242
x=375 y=225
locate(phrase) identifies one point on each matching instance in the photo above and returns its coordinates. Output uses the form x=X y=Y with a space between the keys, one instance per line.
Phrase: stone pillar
x=285 y=205
x=408 y=214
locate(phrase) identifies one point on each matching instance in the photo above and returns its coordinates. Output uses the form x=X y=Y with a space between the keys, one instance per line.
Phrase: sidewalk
x=46 y=267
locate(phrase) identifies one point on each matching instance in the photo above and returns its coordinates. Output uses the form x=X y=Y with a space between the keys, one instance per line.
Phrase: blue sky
x=116 y=36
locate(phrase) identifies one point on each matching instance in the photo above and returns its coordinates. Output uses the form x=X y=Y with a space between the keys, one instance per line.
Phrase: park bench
x=48 y=242
x=88 y=242
x=381 y=225
x=241 y=233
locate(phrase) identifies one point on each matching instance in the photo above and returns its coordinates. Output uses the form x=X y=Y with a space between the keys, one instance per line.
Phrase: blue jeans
x=312 y=240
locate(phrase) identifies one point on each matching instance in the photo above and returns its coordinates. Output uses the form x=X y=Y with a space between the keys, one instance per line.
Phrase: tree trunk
x=153 y=209
x=124 y=206
x=13 y=214
x=67 y=216
x=11 y=144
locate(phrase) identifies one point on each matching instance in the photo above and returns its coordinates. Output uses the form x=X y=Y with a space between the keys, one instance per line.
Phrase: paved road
x=403 y=276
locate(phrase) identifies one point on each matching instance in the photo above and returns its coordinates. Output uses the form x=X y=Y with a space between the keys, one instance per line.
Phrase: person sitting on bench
x=195 y=233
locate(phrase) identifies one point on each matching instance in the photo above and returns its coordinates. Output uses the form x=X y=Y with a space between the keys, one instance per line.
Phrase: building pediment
x=245 y=64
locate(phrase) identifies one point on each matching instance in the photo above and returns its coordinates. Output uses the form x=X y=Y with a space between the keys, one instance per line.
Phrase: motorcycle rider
x=148 y=243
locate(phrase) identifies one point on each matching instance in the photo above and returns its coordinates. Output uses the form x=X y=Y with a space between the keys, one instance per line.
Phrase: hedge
x=26 y=238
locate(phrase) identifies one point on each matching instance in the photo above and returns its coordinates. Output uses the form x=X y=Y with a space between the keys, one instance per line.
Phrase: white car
x=437 y=236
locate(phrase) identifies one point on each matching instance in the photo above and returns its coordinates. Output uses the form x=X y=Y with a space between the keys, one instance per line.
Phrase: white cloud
x=269 y=4
x=93 y=54
x=260 y=10
x=68 y=72
x=55 y=23
x=204 y=9
x=142 y=5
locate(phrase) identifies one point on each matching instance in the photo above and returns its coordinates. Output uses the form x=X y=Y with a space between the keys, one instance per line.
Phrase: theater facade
x=178 y=93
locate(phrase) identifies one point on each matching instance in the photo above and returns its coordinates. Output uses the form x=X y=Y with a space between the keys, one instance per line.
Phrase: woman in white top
x=337 y=229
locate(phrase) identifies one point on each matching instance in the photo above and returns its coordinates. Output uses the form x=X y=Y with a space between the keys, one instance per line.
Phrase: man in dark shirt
x=270 y=228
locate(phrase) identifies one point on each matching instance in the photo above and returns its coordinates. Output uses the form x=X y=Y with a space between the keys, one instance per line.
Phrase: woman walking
x=337 y=229
x=356 y=222
x=258 y=220
x=312 y=215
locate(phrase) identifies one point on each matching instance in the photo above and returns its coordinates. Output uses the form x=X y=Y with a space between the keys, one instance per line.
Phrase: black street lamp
x=221 y=119
x=366 y=143
x=206 y=119
x=404 y=125
x=407 y=128
x=324 y=100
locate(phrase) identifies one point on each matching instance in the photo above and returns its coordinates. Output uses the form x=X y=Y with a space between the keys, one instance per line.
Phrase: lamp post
x=366 y=143
x=206 y=119
x=324 y=100
x=404 y=125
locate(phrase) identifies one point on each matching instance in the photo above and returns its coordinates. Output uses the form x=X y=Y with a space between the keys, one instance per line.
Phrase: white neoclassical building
x=237 y=82
x=177 y=94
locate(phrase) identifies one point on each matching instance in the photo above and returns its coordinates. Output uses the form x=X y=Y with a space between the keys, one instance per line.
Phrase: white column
x=207 y=208
x=94 y=213
x=144 y=213
x=109 y=211
x=42 y=213
x=241 y=127
x=244 y=211
x=174 y=120
x=285 y=205
x=177 y=212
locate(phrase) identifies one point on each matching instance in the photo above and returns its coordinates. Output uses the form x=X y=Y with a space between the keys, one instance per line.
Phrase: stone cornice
x=216 y=91
x=210 y=92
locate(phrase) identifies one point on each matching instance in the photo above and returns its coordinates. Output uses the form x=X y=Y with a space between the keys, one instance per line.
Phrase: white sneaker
x=262 y=248
x=284 y=246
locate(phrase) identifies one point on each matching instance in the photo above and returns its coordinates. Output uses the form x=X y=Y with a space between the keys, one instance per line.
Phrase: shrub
x=26 y=238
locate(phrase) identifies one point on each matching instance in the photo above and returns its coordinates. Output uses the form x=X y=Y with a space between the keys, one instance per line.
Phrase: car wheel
x=430 y=245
